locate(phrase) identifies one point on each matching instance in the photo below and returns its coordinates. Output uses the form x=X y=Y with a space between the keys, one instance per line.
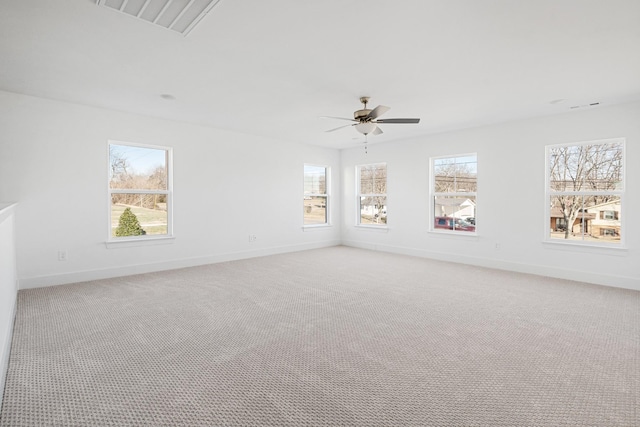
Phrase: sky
x=141 y=159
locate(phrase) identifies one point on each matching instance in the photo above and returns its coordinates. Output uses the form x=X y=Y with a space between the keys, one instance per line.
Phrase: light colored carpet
x=329 y=337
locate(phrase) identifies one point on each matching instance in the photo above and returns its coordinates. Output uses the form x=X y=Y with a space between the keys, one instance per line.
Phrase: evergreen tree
x=128 y=225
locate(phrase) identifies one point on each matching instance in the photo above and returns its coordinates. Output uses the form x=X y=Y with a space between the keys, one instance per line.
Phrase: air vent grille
x=176 y=15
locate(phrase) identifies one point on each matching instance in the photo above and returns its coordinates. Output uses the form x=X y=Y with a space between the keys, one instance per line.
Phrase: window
x=139 y=191
x=316 y=195
x=372 y=194
x=585 y=192
x=454 y=184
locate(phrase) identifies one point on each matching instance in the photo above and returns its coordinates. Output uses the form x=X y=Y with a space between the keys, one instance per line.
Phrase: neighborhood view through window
x=585 y=191
x=138 y=190
x=454 y=187
x=372 y=194
x=316 y=199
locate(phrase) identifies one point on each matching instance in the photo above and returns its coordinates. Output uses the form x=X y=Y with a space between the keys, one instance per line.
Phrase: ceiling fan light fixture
x=365 y=127
x=367 y=120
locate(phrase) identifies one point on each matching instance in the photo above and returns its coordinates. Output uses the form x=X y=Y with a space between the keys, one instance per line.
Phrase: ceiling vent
x=176 y=15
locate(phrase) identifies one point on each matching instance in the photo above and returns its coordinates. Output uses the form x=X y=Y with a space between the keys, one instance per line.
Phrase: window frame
x=326 y=195
x=360 y=195
x=618 y=192
x=111 y=240
x=458 y=194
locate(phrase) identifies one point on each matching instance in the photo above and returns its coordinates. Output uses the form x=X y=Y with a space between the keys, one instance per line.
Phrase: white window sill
x=133 y=242
x=604 y=249
x=379 y=228
x=453 y=234
x=316 y=227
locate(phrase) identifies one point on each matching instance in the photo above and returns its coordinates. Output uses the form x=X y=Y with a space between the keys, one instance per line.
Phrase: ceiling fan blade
x=338 y=118
x=398 y=121
x=378 y=111
x=377 y=131
x=340 y=127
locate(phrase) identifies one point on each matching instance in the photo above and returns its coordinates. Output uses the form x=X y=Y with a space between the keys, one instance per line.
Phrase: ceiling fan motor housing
x=361 y=114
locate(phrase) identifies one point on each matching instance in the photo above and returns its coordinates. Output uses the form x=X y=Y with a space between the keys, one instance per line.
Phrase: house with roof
x=601 y=221
x=462 y=208
x=580 y=225
x=605 y=220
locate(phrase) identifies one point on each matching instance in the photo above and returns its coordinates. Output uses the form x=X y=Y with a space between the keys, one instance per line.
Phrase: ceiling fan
x=366 y=120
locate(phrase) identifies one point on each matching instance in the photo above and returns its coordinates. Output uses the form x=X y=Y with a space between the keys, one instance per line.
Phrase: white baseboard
x=559 y=273
x=5 y=347
x=127 y=270
x=87 y=275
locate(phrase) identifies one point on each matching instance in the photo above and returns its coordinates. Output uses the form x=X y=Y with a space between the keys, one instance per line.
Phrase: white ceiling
x=272 y=68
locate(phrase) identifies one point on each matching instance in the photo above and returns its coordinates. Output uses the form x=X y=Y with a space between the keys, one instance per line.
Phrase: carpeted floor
x=329 y=337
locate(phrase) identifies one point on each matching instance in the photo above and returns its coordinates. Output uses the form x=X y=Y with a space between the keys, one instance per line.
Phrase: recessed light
x=557 y=101
x=168 y=97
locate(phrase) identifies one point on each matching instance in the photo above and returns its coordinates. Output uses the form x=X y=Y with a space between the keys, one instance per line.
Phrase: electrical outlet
x=252 y=237
x=62 y=255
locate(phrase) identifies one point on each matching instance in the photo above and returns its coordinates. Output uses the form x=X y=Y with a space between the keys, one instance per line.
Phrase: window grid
x=584 y=193
x=371 y=181
x=139 y=191
x=454 y=193
x=316 y=196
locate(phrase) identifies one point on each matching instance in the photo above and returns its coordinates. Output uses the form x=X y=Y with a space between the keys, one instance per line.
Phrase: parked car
x=449 y=223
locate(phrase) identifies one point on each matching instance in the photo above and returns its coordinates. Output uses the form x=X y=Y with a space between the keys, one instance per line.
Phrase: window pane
x=373 y=210
x=366 y=180
x=373 y=179
x=586 y=167
x=454 y=213
x=585 y=218
x=137 y=168
x=456 y=174
x=380 y=179
x=314 y=180
x=445 y=181
x=138 y=214
x=315 y=210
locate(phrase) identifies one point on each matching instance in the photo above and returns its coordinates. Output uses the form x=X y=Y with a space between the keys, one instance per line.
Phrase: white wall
x=8 y=287
x=511 y=164
x=53 y=161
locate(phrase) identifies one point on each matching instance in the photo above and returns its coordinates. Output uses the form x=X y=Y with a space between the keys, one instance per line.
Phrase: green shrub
x=128 y=225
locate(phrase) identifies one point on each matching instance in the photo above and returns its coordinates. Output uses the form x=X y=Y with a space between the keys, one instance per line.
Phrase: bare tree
x=119 y=167
x=452 y=177
x=583 y=168
x=158 y=181
x=373 y=182
x=124 y=177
